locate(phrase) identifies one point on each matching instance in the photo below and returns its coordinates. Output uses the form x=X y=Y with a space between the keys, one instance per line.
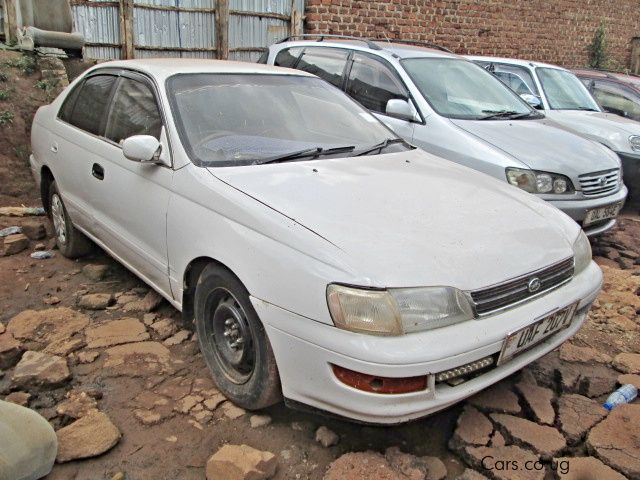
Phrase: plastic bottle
x=625 y=394
x=42 y=255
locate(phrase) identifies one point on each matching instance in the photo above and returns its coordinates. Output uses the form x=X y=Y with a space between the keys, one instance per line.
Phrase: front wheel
x=234 y=342
x=70 y=241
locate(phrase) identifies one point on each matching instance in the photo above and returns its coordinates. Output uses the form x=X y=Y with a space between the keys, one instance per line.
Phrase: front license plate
x=602 y=213
x=533 y=334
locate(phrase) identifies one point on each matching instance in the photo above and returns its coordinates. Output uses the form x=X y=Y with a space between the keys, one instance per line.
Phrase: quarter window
x=616 y=99
x=287 y=58
x=373 y=84
x=327 y=63
x=134 y=112
x=91 y=105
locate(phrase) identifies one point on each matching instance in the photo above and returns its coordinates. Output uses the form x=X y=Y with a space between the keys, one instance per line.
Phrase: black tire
x=71 y=242
x=246 y=373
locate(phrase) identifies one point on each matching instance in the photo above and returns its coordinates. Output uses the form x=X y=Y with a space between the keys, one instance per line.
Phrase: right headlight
x=533 y=181
x=634 y=140
x=581 y=252
x=396 y=311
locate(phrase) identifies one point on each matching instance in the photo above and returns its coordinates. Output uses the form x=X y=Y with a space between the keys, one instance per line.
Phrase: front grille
x=599 y=183
x=514 y=291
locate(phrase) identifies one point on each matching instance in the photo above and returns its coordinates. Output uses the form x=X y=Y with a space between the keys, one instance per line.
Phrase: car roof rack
x=420 y=43
x=322 y=36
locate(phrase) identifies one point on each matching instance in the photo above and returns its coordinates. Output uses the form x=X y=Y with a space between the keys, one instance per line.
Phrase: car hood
x=542 y=145
x=607 y=128
x=413 y=219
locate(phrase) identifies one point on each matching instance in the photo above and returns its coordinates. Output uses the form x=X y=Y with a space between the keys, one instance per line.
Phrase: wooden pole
x=635 y=56
x=222 y=29
x=126 y=29
x=10 y=21
x=296 y=20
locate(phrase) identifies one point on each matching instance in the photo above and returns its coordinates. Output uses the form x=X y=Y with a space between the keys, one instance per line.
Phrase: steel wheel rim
x=229 y=332
x=59 y=223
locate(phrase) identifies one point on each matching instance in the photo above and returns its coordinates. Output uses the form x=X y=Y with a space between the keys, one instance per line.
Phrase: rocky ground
x=112 y=367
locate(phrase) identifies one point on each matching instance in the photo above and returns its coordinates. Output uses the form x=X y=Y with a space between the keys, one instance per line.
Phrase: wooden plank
x=126 y=29
x=172 y=8
x=222 y=29
x=635 y=55
x=245 y=13
x=100 y=3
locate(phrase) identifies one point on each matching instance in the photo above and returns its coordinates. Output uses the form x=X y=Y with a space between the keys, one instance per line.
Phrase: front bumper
x=305 y=349
x=577 y=209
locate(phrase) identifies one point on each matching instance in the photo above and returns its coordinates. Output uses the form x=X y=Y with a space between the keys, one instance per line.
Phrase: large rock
x=241 y=462
x=585 y=468
x=10 y=351
x=94 y=272
x=577 y=414
x=15 y=243
x=116 y=332
x=43 y=327
x=498 y=398
x=546 y=441
x=499 y=462
x=150 y=302
x=616 y=440
x=627 y=362
x=326 y=437
x=473 y=428
x=76 y=404
x=570 y=352
x=34 y=229
x=90 y=436
x=28 y=444
x=137 y=359
x=37 y=369
x=96 y=301
x=538 y=399
x=629 y=378
x=164 y=328
x=394 y=465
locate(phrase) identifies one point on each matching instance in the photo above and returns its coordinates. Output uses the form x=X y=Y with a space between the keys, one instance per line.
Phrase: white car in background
x=322 y=258
x=565 y=100
x=452 y=108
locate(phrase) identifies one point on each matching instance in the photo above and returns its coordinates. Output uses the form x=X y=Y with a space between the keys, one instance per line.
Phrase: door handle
x=97 y=171
x=54 y=148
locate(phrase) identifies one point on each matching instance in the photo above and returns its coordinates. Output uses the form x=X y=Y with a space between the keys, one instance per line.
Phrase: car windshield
x=457 y=88
x=564 y=91
x=246 y=119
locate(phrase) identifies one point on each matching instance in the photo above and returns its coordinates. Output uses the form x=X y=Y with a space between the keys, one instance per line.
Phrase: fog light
x=464 y=369
x=559 y=185
x=376 y=384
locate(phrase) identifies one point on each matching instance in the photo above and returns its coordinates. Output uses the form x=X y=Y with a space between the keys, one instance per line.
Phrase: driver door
x=131 y=198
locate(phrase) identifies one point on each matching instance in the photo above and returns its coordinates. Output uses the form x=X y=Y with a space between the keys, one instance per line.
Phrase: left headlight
x=396 y=310
x=533 y=181
x=634 y=141
x=581 y=253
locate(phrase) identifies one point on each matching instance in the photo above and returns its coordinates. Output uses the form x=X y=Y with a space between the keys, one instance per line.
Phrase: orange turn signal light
x=376 y=384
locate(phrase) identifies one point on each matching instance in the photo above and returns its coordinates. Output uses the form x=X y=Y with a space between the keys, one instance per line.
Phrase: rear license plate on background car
x=533 y=334
x=602 y=213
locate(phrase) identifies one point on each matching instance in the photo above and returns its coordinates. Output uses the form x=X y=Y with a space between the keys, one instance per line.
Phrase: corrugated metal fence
x=234 y=29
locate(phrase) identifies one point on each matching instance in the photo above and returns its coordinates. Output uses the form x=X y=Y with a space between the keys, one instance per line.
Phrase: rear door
x=132 y=197
x=75 y=143
x=372 y=82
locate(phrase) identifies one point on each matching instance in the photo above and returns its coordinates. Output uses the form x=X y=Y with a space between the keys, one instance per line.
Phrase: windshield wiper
x=510 y=114
x=307 y=152
x=586 y=109
x=380 y=146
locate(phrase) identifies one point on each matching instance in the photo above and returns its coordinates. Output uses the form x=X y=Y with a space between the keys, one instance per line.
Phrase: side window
x=516 y=77
x=373 y=84
x=287 y=58
x=67 y=107
x=616 y=99
x=263 y=58
x=134 y=112
x=91 y=105
x=327 y=63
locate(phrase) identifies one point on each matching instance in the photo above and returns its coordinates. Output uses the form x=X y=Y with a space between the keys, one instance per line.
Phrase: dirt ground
x=168 y=412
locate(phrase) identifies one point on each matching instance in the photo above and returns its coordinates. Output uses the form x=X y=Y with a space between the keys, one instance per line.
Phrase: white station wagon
x=322 y=258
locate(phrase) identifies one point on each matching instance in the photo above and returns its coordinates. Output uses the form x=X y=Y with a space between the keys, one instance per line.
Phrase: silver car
x=455 y=109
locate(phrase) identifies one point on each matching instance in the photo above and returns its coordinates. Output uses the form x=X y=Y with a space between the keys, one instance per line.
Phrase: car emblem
x=603 y=181
x=534 y=285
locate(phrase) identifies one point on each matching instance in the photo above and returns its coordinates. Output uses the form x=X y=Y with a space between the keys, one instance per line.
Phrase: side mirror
x=402 y=109
x=142 y=148
x=532 y=100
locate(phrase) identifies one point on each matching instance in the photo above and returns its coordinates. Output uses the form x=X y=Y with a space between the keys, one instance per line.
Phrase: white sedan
x=321 y=258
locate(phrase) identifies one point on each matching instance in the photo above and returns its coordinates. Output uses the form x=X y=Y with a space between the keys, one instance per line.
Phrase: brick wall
x=557 y=31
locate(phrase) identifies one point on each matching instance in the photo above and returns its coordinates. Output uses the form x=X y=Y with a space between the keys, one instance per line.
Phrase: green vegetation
x=6 y=117
x=25 y=63
x=22 y=152
x=598 y=50
x=4 y=95
x=3 y=77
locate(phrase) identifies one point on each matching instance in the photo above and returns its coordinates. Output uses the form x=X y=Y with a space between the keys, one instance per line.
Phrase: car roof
x=390 y=48
x=514 y=61
x=632 y=80
x=162 y=68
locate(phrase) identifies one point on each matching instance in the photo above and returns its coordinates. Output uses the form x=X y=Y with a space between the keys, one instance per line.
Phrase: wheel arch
x=46 y=179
